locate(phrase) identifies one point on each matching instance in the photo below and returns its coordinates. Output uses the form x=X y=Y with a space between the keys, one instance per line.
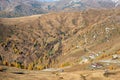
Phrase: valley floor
x=18 y=74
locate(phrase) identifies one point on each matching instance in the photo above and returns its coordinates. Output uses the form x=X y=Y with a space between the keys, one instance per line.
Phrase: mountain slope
x=16 y=8
x=49 y=40
x=78 y=5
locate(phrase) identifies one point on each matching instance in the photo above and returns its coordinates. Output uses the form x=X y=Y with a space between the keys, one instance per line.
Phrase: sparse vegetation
x=65 y=64
x=30 y=66
x=104 y=55
x=60 y=41
x=83 y=77
x=78 y=43
x=5 y=62
x=112 y=67
x=39 y=67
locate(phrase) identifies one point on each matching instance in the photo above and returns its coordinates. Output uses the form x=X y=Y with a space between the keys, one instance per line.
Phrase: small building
x=84 y=60
x=96 y=65
x=115 y=56
x=92 y=56
x=97 y=54
x=77 y=47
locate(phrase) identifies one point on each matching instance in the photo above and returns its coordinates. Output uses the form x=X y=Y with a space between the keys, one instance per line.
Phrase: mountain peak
x=115 y=1
x=48 y=0
x=13 y=8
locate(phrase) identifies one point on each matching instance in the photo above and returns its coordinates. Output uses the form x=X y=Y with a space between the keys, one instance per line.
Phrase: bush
x=65 y=64
x=103 y=56
x=112 y=67
x=30 y=66
x=118 y=52
x=12 y=64
x=39 y=67
x=5 y=63
x=16 y=51
x=16 y=64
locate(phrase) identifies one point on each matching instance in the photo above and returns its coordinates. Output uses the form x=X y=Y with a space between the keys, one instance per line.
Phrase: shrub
x=65 y=64
x=118 y=52
x=39 y=67
x=112 y=67
x=103 y=56
x=13 y=64
x=5 y=62
x=17 y=65
x=30 y=66
x=16 y=51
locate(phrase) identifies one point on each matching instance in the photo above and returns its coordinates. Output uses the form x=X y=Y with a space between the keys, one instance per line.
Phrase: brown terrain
x=17 y=74
x=72 y=41
x=17 y=8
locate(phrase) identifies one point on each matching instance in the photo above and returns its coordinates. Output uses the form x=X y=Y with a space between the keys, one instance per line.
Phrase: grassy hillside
x=58 y=39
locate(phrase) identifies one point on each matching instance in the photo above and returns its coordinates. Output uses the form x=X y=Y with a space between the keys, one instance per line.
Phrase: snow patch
x=115 y=1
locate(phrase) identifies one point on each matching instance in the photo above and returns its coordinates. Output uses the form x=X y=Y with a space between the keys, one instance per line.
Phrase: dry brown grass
x=53 y=38
x=76 y=75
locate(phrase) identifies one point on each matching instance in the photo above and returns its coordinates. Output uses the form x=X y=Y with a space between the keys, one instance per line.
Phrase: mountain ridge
x=16 y=8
